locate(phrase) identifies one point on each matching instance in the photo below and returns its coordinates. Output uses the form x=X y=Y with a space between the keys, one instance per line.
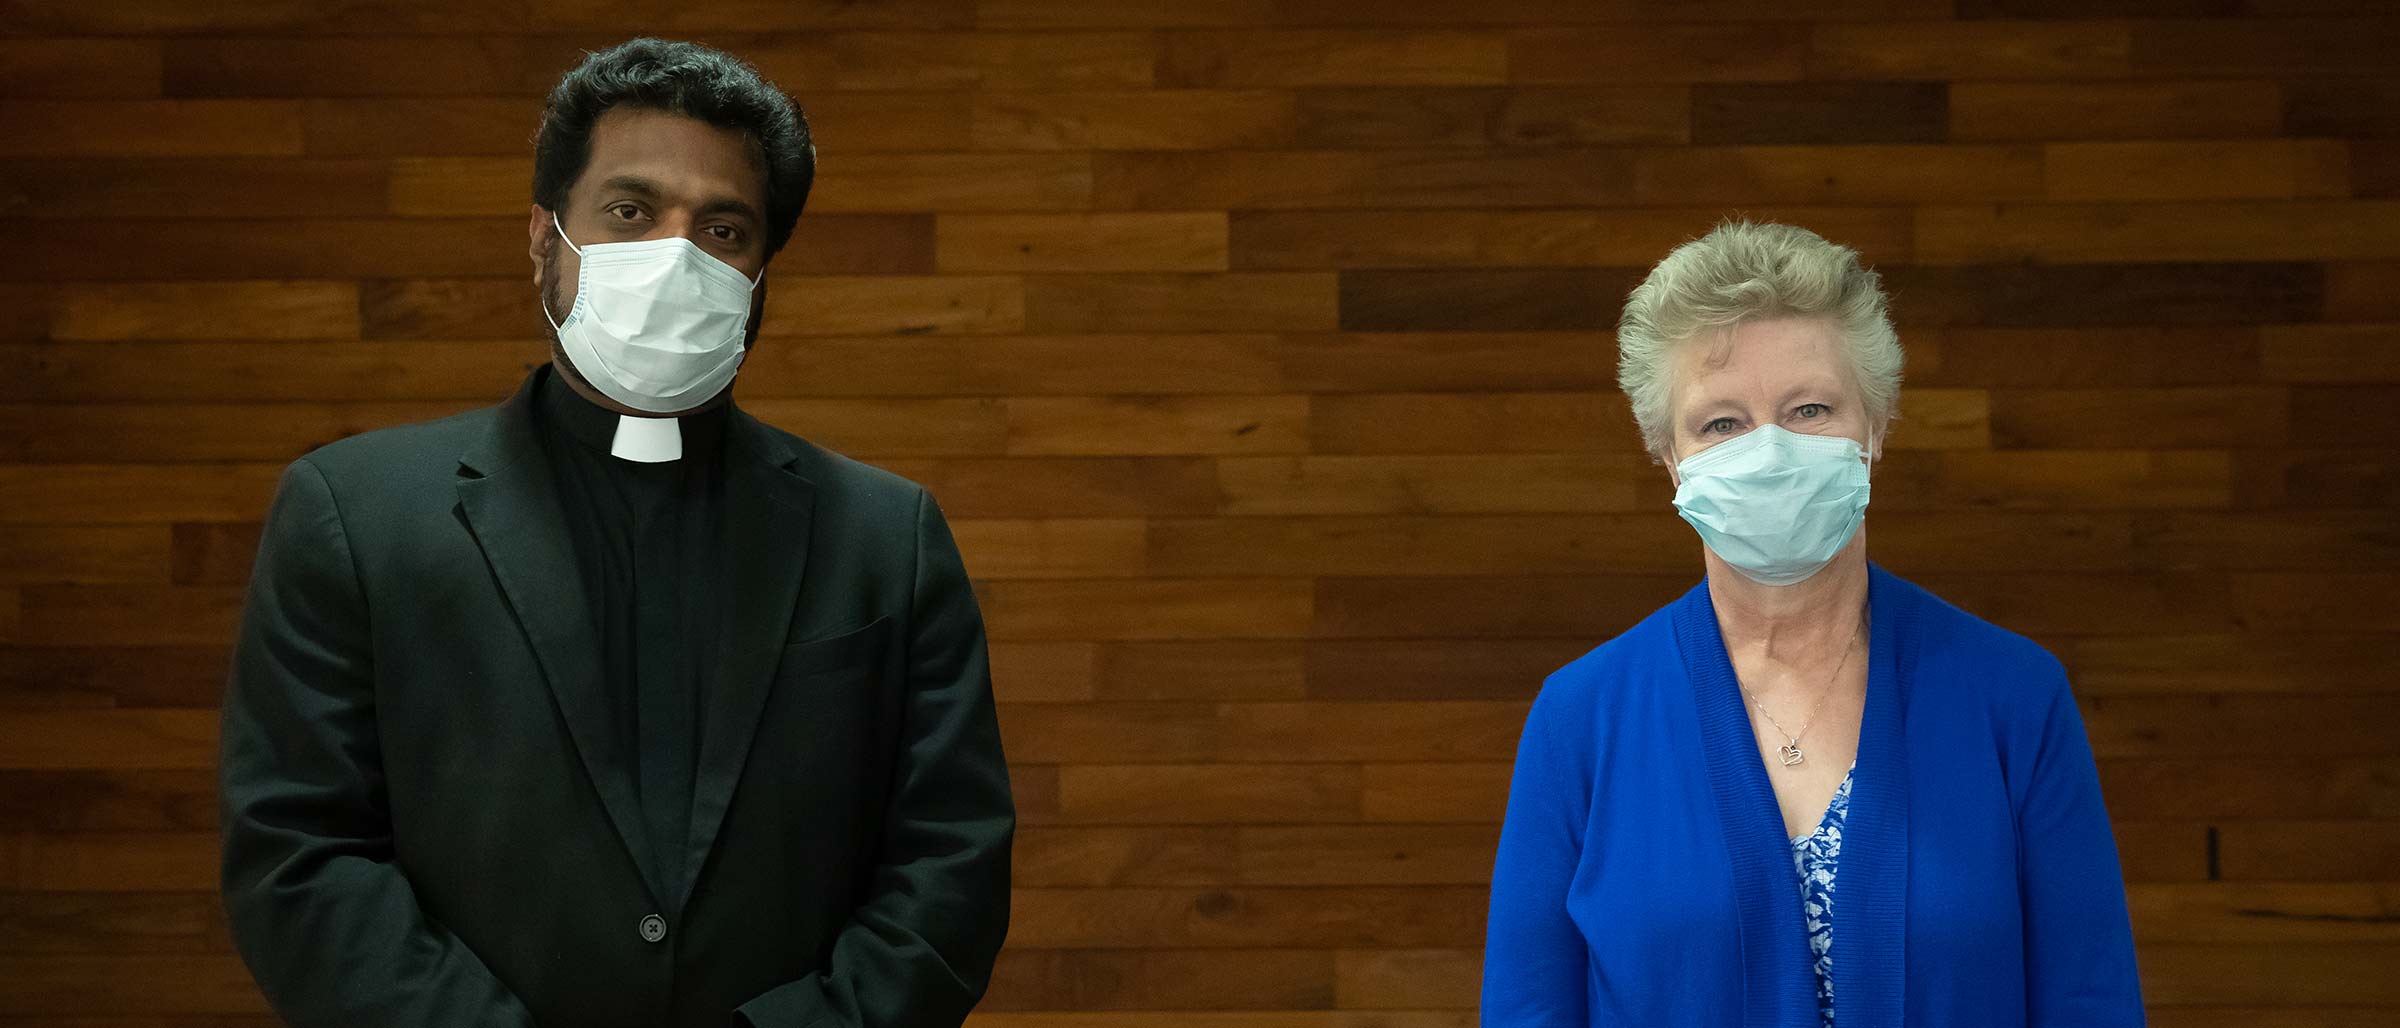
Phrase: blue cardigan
x=1644 y=877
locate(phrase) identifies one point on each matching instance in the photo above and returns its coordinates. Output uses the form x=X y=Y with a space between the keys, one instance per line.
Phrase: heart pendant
x=1792 y=756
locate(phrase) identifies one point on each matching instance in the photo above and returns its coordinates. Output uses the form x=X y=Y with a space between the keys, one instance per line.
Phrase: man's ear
x=538 y=240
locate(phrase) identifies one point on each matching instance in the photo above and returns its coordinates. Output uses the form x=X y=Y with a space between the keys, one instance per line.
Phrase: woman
x=1808 y=792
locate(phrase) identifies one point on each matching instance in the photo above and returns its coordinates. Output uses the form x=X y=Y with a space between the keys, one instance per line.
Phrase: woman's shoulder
x=1954 y=645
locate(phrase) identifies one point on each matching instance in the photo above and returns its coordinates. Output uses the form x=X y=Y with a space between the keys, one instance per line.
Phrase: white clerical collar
x=647 y=440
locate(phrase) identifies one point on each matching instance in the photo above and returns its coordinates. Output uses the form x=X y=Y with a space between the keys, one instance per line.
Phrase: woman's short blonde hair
x=1744 y=271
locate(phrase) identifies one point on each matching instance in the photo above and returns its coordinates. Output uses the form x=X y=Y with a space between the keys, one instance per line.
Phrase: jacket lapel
x=1781 y=985
x=767 y=513
x=1870 y=909
x=512 y=507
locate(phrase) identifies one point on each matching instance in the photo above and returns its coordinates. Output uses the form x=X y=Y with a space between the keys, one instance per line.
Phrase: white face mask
x=1776 y=505
x=657 y=323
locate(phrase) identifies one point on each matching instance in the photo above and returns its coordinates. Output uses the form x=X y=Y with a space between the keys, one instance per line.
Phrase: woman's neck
x=1802 y=624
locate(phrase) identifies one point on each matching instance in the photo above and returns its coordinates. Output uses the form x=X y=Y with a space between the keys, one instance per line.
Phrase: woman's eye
x=1813 y=410
x=1717 y=426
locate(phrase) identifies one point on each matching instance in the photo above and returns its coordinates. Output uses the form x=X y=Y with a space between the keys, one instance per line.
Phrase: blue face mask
x=1775 y=504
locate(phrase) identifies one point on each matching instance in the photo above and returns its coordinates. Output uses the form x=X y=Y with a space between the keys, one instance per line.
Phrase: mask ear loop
x=562 y=237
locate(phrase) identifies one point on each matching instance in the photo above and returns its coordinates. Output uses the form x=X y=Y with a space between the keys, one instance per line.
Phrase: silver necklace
x=1790 y=751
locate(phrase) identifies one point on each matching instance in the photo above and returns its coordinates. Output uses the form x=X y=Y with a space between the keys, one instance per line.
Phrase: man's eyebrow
x=730 y=205
x=634 y=184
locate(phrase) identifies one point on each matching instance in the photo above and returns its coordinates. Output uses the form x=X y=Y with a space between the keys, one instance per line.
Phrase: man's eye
x=724 y=232
x=626 y=211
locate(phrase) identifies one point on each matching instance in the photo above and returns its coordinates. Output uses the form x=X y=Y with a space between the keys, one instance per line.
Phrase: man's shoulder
x=400 y=455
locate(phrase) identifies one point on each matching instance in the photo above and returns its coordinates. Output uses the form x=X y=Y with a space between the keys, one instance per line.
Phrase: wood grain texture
x=1260 y=356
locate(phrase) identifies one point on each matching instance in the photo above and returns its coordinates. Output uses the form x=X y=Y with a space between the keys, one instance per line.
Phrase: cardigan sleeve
x=1534 y=959
x=2079 y=958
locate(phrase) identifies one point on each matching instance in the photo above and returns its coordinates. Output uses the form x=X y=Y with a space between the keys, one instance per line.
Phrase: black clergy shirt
x=648 y=542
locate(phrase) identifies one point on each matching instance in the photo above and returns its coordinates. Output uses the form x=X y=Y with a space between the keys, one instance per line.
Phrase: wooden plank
x=2302 y=975
x=2341 y=107
x=2142 y=355
x=2139 y=418
x=1210 y=918
x=1161 y=119
x=1389 y=732
x=84 y=188
x=1453 y=484
x=1590 y=609
x=2302 y=602
x=196 y=250
x=2296 y=47
x=2226 y=231
x=2330 y=353
x=1580 y=115
x=84 y=554
x=1045 y=855
x=1626 y=238
x=103 y=922
x=2214 y=170
x=2054 y=479
x=2361 y=291
x=896 y=427
x=219 y=372
x=89 y=433
x=136 y=676
x=149 y=128
x=1420 y=546
x=1384 y=669
x=908 y=183
x=1820 y=112
x=1069 y=486
x=135 y=493
x=52 y=985
x=1157 y=425
x=1436 y=793
x=145 y=802
x=1970 y=50
x=2263 y=788
x=1184 y=1019
x=1516 y=300
x=2272 y=914
x=241 y=310
x=2249 y=661
x=395 y=126
x=2320 y=478
x=1077 y=548
x=1385 y=979
x=1857 y=175
x=111 y=862
x=1361 y=179
x=1367 y=854
x=364 y=66
x=1173 y=13
x=80 y=68
x=1195 y=241
x=1215 y=670
x=1039 y=672
x=2164 y=851
x=1289 y=57
x=985 y=60
x=1486 y=423
x=1161 y=980
x=126 y=615
x=1238 y=302
x=1657 y=53
x=2309 y=851
x=2049 y=604
x=1155 y=364
x=1232 y=794
x=2041 y=294
x=59 y=740
x=1147 y=609
x=2194 y=109
x=1111 y=733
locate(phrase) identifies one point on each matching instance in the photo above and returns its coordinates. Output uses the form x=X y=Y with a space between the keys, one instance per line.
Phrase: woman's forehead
x=1770 y=356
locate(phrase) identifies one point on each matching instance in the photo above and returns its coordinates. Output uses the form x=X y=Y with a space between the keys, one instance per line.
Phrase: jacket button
x=654 y=928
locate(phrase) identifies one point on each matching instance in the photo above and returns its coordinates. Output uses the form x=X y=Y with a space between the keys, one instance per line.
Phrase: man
x=611 y=706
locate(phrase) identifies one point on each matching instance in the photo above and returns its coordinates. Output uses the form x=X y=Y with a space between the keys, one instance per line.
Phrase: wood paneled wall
x=1260 y=350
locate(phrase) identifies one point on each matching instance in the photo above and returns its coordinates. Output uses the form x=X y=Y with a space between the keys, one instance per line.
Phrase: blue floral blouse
x=1815 y=856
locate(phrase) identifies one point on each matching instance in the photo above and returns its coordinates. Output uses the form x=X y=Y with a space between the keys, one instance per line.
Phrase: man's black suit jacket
x=418 y=829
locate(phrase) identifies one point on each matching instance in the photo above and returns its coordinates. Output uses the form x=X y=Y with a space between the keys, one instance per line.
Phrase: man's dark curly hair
x=686 y=79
